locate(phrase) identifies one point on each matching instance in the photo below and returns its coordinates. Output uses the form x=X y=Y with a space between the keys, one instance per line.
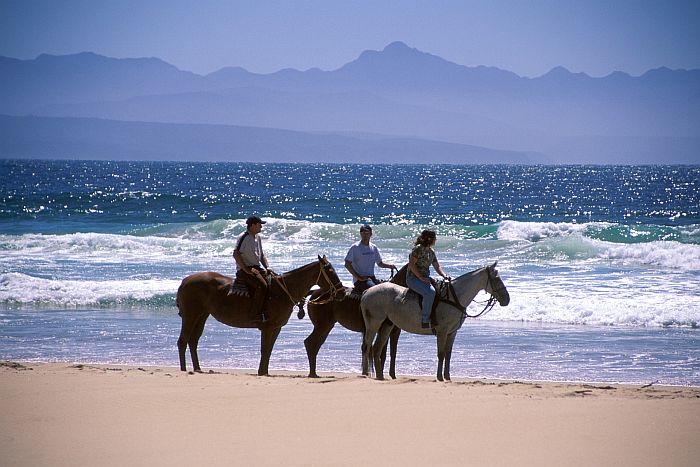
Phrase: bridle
x=491 y=302
x=488 y=304
x=333 y=290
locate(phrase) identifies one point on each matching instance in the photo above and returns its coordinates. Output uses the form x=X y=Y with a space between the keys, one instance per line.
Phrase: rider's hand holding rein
x=439 y=270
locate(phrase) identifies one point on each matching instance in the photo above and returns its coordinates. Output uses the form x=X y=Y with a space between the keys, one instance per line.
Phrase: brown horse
x=324 y=312
x=206 y=293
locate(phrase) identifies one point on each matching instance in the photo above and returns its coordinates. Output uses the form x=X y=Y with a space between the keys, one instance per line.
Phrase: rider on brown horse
x=252 y=267
x=361 y=258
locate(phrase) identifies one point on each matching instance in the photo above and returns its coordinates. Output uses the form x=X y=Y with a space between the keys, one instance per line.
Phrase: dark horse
x=324 y=312
x=206 y=293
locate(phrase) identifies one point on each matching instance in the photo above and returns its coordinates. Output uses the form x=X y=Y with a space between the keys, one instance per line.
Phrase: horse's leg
x=186 y=330
x=383 y=354
x=394 y=343
x=448 y=354
x=366 y=348
x=314 y=342
x=267 y=341
x=379 y=348
x=441 y=345
x=194 y=341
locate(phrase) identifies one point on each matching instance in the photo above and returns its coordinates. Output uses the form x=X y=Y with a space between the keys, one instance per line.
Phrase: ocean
x=602 y=263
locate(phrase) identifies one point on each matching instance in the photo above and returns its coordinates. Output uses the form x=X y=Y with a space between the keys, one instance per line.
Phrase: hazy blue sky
x=527 y=37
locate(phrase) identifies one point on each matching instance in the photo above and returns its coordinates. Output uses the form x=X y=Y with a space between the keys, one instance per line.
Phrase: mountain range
x=395 y=105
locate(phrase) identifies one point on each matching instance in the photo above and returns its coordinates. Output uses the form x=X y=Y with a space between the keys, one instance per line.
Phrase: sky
x=528 y=37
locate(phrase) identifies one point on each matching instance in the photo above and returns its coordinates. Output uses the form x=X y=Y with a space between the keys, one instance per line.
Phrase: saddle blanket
x=239 y=288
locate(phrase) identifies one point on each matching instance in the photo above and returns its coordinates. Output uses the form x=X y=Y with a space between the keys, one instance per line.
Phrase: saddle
x=442 y=294
x=360 y=288
x=240 y=288
x=354 y=294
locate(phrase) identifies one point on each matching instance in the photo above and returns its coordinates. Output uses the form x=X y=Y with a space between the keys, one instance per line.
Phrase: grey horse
x=393 y=302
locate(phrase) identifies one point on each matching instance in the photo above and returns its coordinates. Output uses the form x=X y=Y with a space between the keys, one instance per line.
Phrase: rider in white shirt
x=252 y=267
x=361 y=258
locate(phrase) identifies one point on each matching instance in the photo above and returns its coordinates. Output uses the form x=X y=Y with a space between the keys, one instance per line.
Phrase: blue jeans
x=426 y=290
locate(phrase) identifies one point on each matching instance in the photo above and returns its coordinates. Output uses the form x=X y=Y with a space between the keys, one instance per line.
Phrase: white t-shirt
x=363 y=258
x=250 y=247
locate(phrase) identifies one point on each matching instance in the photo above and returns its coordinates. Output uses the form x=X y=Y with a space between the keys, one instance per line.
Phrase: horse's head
x=495 y=286
x=328 y=279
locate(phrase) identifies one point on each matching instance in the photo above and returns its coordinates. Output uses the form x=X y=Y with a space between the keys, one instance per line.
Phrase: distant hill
x=399 y=91
x=89 y=138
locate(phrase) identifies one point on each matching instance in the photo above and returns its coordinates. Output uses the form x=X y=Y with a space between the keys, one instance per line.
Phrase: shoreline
x=81 y=414
x=340 y=373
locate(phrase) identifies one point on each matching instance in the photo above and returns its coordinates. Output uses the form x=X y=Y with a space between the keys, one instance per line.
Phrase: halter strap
x=283 y=286
x=333 y=290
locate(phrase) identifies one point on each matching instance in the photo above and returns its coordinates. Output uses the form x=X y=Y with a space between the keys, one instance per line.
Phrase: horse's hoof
x=313 y=375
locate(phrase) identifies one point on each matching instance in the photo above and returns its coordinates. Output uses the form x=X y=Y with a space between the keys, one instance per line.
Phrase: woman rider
x=418 y=277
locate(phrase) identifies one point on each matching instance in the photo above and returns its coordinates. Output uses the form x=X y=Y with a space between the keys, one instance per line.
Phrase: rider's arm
x=355 y=275
x=438 y=269
x=263 y=261
x=239 y=261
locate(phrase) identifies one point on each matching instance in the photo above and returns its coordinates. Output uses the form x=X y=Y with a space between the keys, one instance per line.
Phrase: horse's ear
x=493 y=266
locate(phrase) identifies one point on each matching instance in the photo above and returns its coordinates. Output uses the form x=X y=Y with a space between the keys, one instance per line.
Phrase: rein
x=300 y=303
x=283 y=286
x=490 y=303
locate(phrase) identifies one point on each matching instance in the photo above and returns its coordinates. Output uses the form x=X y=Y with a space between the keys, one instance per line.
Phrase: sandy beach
x=63 y=414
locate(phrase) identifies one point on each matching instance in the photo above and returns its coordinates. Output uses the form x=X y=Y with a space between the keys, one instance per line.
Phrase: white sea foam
x=622 y=302
x=555 y=272
x=667 y=254
x=565 y=241
x=536 y=231
x=107 y=247
x=21 y=289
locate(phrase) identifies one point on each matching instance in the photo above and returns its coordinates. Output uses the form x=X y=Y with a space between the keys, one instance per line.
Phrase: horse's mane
x=472 y=273
x=300 y=268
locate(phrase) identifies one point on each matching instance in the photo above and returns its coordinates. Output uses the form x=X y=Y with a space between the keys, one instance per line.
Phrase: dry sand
x=81 y=415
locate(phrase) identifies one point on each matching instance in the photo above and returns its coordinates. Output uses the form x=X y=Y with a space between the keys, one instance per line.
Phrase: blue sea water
x=602 y=263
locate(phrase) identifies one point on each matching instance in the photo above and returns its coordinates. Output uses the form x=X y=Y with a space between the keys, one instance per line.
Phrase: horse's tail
x=367 y=349
x=177 y=299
